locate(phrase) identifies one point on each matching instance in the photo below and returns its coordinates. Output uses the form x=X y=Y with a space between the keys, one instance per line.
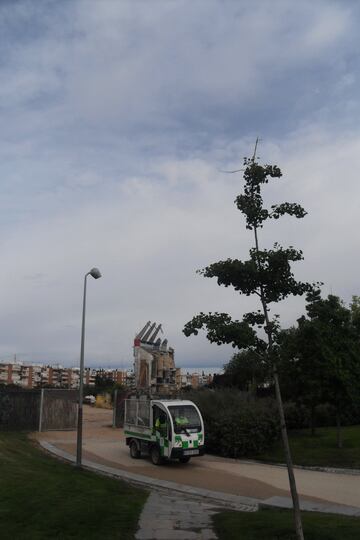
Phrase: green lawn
x=278 y=525
x=319 y=450
x=43 y=498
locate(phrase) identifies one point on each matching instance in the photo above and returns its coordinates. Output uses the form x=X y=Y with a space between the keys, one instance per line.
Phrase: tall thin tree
x=267 y=274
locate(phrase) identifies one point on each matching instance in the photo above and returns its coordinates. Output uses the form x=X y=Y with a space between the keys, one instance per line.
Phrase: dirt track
x=103 y=444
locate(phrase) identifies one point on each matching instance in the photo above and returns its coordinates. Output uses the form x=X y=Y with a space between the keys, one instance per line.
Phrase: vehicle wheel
x=134 y=450
x=155 y=455
x=184 y=459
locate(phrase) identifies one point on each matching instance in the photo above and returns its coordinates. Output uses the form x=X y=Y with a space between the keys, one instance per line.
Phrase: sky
x=117 y=119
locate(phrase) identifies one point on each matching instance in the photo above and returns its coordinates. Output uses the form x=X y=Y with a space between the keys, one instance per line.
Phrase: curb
x=334 y=470
x=308 y=506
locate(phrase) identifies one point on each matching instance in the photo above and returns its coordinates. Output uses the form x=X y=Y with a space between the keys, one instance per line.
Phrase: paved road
x=105 y=445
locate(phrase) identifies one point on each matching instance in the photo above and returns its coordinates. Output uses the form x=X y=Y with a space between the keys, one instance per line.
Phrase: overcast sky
x=116 y=120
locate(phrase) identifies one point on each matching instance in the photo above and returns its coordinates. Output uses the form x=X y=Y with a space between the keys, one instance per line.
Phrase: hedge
x=236 y=426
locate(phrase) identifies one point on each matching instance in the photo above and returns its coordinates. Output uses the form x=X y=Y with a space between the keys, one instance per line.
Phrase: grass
x=42 y=498
x=278 y=525
x=319 y=450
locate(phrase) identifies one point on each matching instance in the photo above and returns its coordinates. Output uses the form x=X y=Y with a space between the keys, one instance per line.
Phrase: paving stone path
x=175 y=516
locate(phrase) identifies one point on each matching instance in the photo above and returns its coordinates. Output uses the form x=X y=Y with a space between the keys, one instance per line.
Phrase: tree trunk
x=292 y=482
x=312 y=420
x=290 y=469
x=338 y=429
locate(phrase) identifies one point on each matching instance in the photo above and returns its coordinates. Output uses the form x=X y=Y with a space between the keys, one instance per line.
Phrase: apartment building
x=39 y=375
x=161 y=373
x=195 y=379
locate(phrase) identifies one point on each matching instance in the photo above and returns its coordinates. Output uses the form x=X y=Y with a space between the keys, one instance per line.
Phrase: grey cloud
x=38 y=276
x=118 y=116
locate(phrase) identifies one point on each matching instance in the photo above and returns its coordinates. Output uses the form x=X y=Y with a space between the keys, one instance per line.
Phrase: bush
x=103 y=401
x=296 y=416
x=235 y=425
x=325 y=415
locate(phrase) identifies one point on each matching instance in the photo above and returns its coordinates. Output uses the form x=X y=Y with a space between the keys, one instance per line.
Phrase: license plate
x=191 y=452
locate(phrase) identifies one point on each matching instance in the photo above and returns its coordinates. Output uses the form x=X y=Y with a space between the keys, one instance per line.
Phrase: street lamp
x=95 y=273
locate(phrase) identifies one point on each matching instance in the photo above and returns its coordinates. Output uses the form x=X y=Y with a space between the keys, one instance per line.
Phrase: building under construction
x=154 y=365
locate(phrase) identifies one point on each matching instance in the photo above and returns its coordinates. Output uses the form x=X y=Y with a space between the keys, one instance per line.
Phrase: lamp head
x=95 y=273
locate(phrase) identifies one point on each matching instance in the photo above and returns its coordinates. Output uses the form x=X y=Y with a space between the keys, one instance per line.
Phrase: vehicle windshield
x=185 y=418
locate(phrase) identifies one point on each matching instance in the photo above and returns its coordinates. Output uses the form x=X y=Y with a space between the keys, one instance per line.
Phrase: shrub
x=296 y=416
x=325 y=415
x=236 y=425
x=103 y=401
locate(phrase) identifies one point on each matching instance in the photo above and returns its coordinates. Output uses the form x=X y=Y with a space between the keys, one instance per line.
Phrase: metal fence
x=119 y=407
x=41 y=410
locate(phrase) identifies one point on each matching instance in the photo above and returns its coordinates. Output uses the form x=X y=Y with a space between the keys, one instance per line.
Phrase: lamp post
x=95 y=273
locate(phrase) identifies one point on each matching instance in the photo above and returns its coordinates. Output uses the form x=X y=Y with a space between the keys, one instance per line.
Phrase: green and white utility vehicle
x=164 y=429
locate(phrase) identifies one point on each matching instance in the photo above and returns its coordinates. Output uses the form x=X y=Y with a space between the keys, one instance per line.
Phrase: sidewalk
x=169 y=517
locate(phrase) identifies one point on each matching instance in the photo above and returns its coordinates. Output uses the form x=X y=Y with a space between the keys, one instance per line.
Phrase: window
x=185 y=418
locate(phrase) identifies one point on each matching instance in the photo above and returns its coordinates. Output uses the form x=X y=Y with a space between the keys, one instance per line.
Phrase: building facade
x=39 y=375
x=154 y=363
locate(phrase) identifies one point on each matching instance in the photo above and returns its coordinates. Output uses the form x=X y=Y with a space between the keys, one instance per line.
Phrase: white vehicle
x=164 y=429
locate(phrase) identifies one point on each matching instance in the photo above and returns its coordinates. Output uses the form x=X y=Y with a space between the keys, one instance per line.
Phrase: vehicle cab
x=166 y=429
